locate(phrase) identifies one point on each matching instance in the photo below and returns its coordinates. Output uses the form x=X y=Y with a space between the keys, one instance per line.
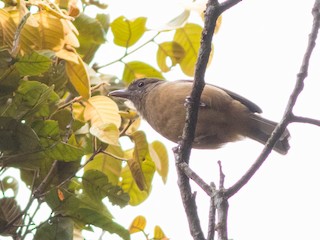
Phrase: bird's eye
x=140 y=84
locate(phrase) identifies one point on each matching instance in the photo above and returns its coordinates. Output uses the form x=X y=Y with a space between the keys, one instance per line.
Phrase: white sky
x=258 y=52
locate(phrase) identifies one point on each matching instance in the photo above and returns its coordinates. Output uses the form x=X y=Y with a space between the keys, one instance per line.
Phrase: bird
x=223 y=115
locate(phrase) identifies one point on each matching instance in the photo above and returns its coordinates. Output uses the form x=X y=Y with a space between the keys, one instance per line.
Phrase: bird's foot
x=188 y=101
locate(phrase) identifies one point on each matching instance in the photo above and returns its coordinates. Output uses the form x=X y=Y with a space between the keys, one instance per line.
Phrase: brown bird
x=223 y=116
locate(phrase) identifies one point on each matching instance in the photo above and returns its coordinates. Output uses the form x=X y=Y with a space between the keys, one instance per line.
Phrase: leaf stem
x=127 y=53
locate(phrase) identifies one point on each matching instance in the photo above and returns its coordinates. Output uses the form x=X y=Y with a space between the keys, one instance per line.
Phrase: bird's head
x=137 y=90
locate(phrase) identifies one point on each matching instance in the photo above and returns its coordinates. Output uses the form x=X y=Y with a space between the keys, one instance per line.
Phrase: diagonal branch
x=288 y=115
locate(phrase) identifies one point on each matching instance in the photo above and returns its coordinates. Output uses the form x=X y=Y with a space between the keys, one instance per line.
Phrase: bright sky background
x=258 y=52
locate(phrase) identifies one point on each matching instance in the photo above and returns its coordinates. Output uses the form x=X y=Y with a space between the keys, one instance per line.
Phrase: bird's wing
x=250 y=105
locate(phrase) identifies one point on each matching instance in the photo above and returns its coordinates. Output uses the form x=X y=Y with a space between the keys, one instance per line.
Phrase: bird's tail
x=262 y=129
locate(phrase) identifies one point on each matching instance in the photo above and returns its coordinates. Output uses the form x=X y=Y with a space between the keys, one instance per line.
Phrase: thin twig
x=288 y=116
x=222 y=176
x=74 y=174
x=30 y=221
x=212 y=215
x=46 y=181
x=196 y=178
x=126 y=53
x=222 y=206
x=300 y=119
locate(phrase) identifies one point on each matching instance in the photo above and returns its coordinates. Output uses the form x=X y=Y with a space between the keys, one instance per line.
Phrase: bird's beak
x=122 y=93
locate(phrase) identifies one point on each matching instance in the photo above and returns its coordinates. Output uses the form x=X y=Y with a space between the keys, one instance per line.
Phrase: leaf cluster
x=58 y=127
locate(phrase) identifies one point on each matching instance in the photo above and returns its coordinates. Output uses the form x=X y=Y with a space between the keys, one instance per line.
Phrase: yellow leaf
x=128 y=32
x=79 y=77
x=60 y=14
x=170 y=50
x=7 y=29
x=141 y=145
x=107 y=133
x=134 y=126
x=130 y=117
x=110 y=166
x=138 y=224
x=78 y=111
x=129 y=114
x=30 y=34
x=70 y=33
x=51 y=31
x=158 y=234
x=159 y=156
x=128 y=184
x=189 y=38
x=139 y=155
x=100 y=110
x=69 y=56
x=137 y=174
x=137 y=69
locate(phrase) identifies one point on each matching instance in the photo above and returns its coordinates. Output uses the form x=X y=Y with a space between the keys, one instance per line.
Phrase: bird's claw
x=188 y=101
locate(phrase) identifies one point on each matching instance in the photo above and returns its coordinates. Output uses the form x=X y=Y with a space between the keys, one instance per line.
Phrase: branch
x=196 y=178
x=212 y=215
x=182 y=152
x=288 y=115
x=305 y=120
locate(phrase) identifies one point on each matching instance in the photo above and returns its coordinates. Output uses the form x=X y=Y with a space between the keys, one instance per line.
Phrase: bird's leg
x=188 y=100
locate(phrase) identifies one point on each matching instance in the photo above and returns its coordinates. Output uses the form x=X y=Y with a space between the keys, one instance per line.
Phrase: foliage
x=55 y=117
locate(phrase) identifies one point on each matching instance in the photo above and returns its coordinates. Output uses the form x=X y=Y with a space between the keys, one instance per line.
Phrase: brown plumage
x=223 y=116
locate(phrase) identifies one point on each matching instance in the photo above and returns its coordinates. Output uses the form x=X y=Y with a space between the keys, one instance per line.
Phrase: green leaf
x=91 y=34
x=82 y=209
x=128 y=32
x=32 y=99
x=33 y=64
x=64 y=119
x=90 y=29
x=16 y=136
x=97 y=186
x=56 y=76
x=56 y=228
x=135 y=69
x=170 y=50
x=9 y=81
x=104 y=19
x=5 y=58
x=49 y=134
